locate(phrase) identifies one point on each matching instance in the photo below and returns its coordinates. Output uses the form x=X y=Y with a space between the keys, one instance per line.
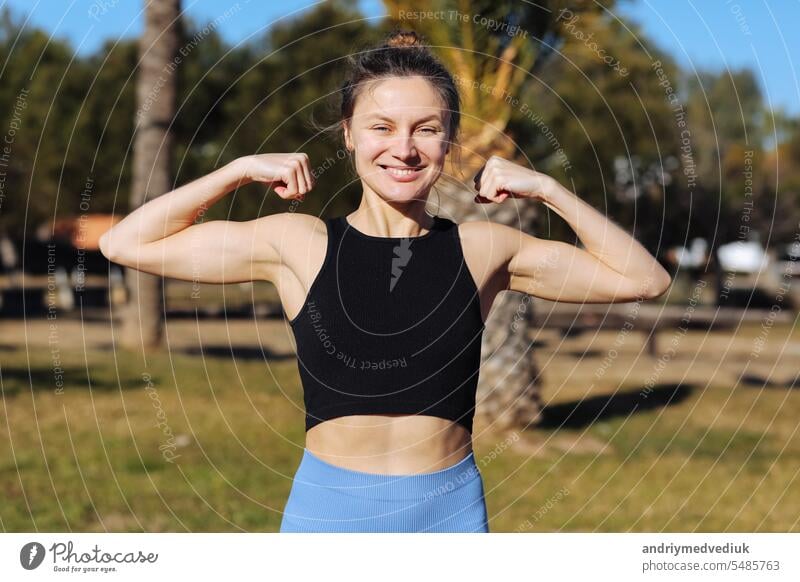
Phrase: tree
x=777 y=181
x=152 y=158
x=37 y=106
x=726 y=113
x=609 y=105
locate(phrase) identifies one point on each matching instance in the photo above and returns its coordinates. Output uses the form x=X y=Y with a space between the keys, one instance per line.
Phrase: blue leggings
x=329 y=498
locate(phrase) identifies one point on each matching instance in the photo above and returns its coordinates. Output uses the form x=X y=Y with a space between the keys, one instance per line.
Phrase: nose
x=403 y=147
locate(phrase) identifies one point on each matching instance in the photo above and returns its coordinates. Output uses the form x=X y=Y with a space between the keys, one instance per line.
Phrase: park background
x=679 y=120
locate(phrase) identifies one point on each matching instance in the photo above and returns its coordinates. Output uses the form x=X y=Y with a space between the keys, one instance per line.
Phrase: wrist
x=550 y=190
x=239 y=170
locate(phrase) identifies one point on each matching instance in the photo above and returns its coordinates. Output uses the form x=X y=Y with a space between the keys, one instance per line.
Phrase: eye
x=381 y=127
x=430 y=130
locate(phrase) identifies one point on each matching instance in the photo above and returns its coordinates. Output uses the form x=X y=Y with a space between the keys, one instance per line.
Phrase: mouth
x=402 y=173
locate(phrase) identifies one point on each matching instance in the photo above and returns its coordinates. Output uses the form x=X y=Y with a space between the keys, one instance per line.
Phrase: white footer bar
x=400 y=557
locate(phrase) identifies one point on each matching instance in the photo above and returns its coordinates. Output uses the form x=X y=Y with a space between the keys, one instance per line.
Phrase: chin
x=401 y=192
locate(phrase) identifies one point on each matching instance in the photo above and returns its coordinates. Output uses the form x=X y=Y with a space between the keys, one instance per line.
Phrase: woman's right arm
x=160 y=237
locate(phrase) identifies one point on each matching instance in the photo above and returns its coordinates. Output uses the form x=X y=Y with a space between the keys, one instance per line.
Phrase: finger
x=307 y=169
x=477 y=179
x=300 y=176
x=304 y=173
x=303 y=187
x=502 y=193
x=493 y=191
x=291 y=182
x=487 y=185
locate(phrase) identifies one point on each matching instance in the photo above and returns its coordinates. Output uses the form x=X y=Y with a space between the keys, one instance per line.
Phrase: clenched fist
x=500 y=179
x=288 y=174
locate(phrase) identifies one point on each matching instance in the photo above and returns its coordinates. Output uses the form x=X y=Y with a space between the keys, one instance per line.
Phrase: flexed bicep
x=559 y=271
x=217 y=251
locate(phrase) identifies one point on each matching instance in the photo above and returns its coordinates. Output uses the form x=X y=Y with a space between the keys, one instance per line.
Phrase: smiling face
x=398 y=134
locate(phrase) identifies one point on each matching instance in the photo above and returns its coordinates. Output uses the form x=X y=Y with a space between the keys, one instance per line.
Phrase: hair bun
x=403 y=38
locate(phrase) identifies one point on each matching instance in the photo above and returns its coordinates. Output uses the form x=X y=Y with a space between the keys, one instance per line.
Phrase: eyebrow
x=384 y=118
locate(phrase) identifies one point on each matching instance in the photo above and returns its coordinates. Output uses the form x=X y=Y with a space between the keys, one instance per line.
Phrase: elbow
x=658 y=285
x=103 y=242
x=104 y=246
x=108 y=250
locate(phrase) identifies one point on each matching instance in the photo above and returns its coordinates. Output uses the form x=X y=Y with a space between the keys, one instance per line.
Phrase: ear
x=348 y=140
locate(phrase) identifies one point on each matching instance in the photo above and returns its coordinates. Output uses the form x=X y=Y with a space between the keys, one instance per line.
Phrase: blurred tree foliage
x=602 y=100
x=67 y=120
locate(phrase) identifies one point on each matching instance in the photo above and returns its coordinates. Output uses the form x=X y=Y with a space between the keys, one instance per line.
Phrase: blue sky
x=719 y=34
x=711 y=34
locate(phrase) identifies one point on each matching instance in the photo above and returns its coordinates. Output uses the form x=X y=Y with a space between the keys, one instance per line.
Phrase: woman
x=387 y=305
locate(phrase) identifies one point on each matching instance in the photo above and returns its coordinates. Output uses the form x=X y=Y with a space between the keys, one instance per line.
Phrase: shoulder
x=489 y=238
x=289 y=237
x=488 y=247
x=284 y=229
x=282 y=220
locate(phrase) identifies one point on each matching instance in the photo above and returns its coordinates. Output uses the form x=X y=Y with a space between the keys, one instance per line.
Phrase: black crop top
x=390 y=325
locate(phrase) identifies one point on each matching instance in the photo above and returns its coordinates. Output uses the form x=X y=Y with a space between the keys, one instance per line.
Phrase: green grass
x=723 y=459
x=688 y=467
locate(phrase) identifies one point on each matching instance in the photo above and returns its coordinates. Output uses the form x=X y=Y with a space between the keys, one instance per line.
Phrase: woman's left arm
x=614 y=267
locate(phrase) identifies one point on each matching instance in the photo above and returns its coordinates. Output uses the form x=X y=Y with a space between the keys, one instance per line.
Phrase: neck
x=378 y=217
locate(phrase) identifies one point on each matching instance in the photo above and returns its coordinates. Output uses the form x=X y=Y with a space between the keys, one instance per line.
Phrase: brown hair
x=403 y=53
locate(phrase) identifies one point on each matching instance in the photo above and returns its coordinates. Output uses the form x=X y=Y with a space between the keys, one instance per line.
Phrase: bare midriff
x=396 y=444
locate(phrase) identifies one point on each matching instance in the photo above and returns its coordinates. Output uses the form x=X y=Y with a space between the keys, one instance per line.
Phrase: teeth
x=398 y=172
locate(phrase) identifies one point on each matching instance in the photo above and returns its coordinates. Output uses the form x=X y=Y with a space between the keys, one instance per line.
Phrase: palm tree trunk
x=509 y=389
x=152 y=159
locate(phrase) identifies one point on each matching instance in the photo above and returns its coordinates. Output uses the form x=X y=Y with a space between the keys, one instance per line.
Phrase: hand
x=288 y=174
x=499 y=179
